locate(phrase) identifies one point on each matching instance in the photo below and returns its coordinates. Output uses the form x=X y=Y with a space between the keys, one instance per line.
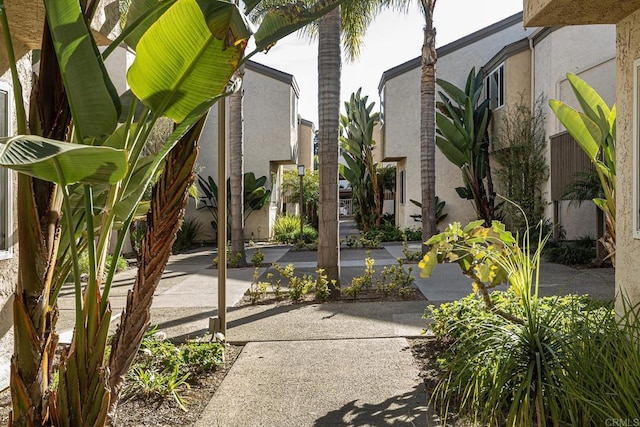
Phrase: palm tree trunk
x=168 y=201
x=329 y=64
x=236 y=172
x=427 y=124
x=34 y=314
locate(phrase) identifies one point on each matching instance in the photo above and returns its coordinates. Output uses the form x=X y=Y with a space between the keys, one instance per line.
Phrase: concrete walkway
x=333 y=364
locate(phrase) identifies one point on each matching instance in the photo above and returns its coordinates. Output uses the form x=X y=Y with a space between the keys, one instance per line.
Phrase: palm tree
x=350 y=24
x=346 y=25
x=427 y=116
x=236 y=172
x=428 y=123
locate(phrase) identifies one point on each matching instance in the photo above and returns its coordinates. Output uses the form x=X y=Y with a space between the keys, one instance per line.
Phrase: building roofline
x=275 y=74
x=307 y=123
x=452 y=47
x=541 y=33
x=504 y=53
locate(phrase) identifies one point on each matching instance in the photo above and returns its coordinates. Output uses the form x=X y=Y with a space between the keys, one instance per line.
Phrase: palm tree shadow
x=408 y=409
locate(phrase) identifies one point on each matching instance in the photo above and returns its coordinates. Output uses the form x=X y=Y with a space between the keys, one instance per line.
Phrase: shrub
x=287 y=230
x=394 y=279
x=186 y=235
x=121 y=263
x=504 y=372
x=257 y=258
x=163 y=369
x=576 y=252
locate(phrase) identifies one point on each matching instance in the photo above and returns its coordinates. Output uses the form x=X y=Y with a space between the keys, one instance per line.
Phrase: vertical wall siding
x=567 y=159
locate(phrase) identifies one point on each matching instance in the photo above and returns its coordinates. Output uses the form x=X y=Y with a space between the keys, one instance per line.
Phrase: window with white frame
x=636 y=149
x=494 y=87
x=5 y=179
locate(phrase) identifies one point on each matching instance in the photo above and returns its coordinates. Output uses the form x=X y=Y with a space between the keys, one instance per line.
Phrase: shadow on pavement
x=406 y=409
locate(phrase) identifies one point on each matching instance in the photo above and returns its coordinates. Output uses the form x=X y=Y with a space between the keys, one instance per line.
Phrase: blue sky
x=392 y=39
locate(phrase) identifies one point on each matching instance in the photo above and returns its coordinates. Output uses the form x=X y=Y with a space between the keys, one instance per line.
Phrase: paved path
x=333 y=364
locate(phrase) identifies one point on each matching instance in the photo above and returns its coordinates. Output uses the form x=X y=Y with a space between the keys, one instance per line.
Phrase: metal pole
x=219 y=323
x=301 y=206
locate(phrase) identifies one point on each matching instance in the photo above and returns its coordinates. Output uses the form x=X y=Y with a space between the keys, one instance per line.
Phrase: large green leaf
x=590 y=101
x=586 y=133
x=37 y=156
x=140 y=15
x=188 y=56
x=92 y=97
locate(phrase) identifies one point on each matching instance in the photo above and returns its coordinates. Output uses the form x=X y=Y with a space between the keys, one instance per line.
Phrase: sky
x=391 y=40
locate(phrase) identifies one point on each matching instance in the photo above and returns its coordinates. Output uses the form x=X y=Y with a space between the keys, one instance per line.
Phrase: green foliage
x=256 y=195
x=577 y=252
x=389 y=232
x=360 y=170
x=121 y=263
x=462 y=136
x=257 y=290
x=409 y=255
x=394 y=279
x=163 y=369
x=257 y=258
x=186 y=236
x=440 y=214
x=286 y=229
x=594 y=130
x=364 y=282
x=561 y=366
x=520 y=149
x=310 y=182
x=584 y=186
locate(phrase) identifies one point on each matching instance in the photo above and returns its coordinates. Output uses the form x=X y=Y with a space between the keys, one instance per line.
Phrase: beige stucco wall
x=305 y=144
x=270 y=139
x=627 y=248
x=587 y=51
x=517 y=75
x=402 y=123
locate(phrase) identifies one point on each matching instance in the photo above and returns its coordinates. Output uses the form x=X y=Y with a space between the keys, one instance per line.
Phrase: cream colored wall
x=627 y=248
x=587 y=51
x=517 y=74
x=269 y=139
x=402 y=123
x=305 y=145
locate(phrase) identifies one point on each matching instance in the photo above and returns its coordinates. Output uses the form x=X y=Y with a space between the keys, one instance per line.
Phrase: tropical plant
x=97 y=180
x=286 y=229
x=463 y=138
x=584 y=186
x=520 y=149
x=256 y=195
x=440 y=214
x=310 y=192
x=359 y=169
x=594 y=130
x=186 y=235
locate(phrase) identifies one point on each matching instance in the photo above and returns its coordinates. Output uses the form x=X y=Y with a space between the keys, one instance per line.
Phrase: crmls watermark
x=622 y=422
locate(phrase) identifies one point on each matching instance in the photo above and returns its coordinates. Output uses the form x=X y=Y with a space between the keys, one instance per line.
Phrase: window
x=294 y=109
x=382 y=106
x=494 y=87
x=5 y=180
x=403 y=195
x=636 y=149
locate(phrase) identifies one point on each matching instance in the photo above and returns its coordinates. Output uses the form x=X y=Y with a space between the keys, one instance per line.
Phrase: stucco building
x=626 y=18
x=275 y=137
x=520 y=66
